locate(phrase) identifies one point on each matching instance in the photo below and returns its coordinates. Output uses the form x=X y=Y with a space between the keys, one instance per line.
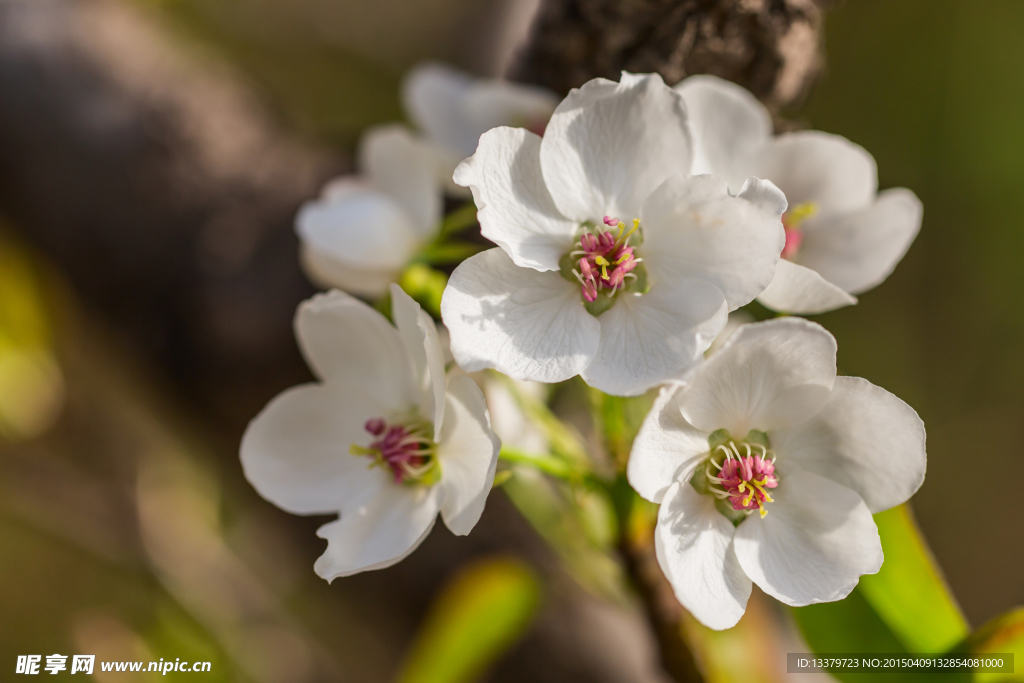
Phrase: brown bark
x=772 y=47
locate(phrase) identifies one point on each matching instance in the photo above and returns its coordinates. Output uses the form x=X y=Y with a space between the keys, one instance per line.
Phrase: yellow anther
x=760 y=506
x=601 y=261
x=799 y=213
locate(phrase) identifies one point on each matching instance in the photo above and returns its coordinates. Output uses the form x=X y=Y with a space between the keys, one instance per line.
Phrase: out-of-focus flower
x=510 y=423
x=365 y=229
x=842 y=236
x=454 y=109
x=572 y=290
x=766 y=427
x=385 y=438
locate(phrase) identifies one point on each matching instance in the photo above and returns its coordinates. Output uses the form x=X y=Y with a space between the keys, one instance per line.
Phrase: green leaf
x=476 y=619
x=1004 y=634
x=909 y=593
x=31 y=382
x=848 y=626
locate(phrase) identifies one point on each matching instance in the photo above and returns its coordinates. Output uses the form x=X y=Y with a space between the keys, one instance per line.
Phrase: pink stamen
x=402 y=450
x=754 y=474
x=794 y=237
x=605 y=262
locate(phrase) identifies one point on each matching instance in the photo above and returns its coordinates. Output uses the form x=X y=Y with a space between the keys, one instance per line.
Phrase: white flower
x=765 y=425
x=365 y=229
x=842 y=238
x=454 y=109
x=572 y=290
x=385 y=439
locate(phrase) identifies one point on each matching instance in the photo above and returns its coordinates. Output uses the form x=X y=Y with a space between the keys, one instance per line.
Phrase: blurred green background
x=127 y=527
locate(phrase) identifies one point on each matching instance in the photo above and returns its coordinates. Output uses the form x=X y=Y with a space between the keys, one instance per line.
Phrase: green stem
x=548 y=464
x=562 y=439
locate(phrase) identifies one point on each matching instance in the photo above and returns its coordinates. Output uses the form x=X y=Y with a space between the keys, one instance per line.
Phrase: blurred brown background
x=152 y=155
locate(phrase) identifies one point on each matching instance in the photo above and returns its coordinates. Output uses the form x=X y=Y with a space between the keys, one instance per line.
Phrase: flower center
x=605 y=263
x=791 y=221
x=405 y=447
x=739 y=472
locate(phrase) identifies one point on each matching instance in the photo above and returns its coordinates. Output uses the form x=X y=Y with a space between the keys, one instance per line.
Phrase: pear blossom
x=842 y=236
x=768 y=468
x=612 y=263
x=363 y=230
x=385 y=438
x=453 y=109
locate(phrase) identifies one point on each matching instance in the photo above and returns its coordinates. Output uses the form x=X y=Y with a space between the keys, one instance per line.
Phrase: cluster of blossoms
x=629 y=220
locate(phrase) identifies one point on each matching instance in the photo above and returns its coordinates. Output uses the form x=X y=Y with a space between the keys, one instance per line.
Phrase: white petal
x=828 y=170
x=491 y=103
x=769 y=375
x=666 y=450
x=736 y=319
x=728 y=126
x=816 y=542
x=693 y=542
x=433 y=96
x=515 y=209
x=858 y=251
x=403 y=167
x=694 y=228
x=526 y=324
x=650 y=339
x=800 y=290
x=345 y=340
x=354 y=227
x=610 y=145
x=378 y=530
x=468 y=453
x=423 y=347
x=864 y=438
x=295 y=452
x=325 y=271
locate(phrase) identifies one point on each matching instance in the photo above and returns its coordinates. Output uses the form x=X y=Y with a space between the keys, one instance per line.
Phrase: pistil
x=606 y=260
x=744 y=475
x=405 y=447
x=791 y=221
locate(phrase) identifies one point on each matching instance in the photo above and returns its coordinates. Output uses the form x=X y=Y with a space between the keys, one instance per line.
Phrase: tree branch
x=664 y=613
x=771 y=47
